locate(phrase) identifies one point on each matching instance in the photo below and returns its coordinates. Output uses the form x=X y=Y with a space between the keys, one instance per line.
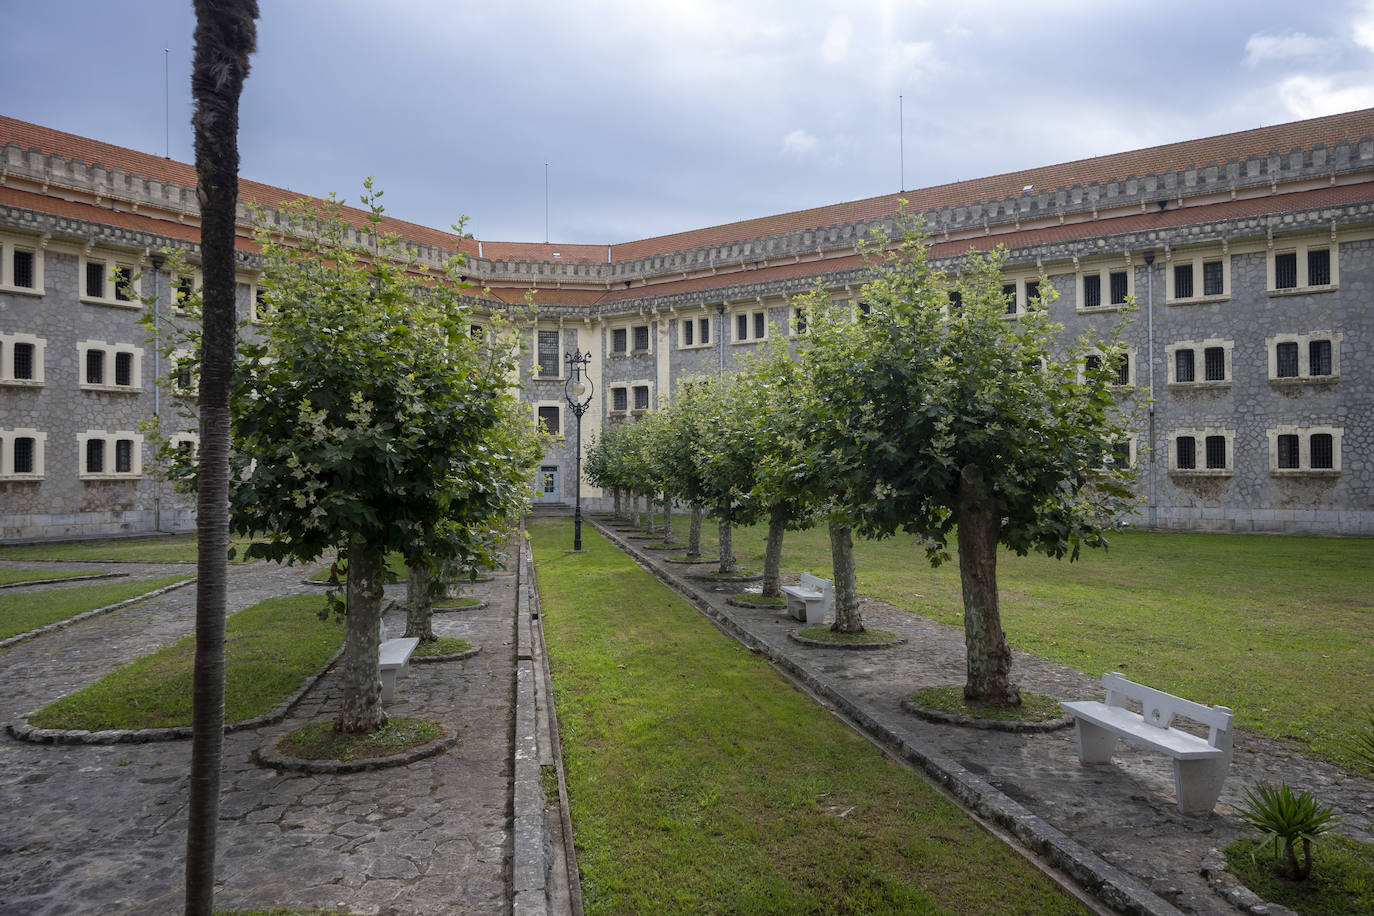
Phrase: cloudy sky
x=656 y=116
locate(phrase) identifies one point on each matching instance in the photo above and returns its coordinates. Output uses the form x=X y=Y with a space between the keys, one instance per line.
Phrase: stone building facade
x=1249 y=258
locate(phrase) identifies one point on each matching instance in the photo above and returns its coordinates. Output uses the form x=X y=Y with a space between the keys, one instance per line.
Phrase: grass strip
x=395 y=566
x=9 y=576
x=270 y=648
x=1035 y=707
x=178 y=548
x=1215 y=618
x=443 y=604
x=24 y=611
x=825 y=634
x=444 y=645
x=1341 y=883
x=319 y=740
x=701 y=781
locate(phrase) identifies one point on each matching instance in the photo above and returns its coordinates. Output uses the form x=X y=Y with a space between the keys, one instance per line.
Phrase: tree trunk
x=989 y=657
x=362 y=683
x=615 y=494
x=847 y=616
x=668 y=519
x=772 y=553
x=225 y=36
x=648 y=526
x=727 y=543
x=634 y=507
x=694 y=533
x=419 y=604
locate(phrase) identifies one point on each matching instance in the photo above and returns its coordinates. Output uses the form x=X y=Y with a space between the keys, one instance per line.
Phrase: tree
x=683 y=427
x=226 y=35
x=726 y=452
x=368 y=419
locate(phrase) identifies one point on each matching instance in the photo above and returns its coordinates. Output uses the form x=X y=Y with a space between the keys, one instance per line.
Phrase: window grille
x=1121 y=454
x=1119 y=287
x=95 y=456
x=1286 y=270
x=1092 y=362
x=124 y=456
x=641 y=397
x=1319 y=357
x=1319 y=267
x=705 y=330
x=1123 y=369
x=95 y=367
x=1287 y=360
x=1216 y=452
x=1213 y=283
x=184 y=374
x=124 y=369
x=956 y=300
x=185 y=289
x=1323 y=451
x=619 y=340
x=1032 y=291
x=1288 y=451
x=1183 y=366
x=23 y=269
x=1183 y=281
x=1009 y=296
x=741 y=327
x=799 y=319
x=95 y=279
x=23 y=361
x=760 y=320
x=688 y=330
x=23 y=455
x=1186 y=451
x=122 y=279
x=642 y=337
x=618 y=399
x=548 y=354
x=548 y=420
x=1214 y=364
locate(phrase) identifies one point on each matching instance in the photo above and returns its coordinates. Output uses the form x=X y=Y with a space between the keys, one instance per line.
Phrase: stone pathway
x=103 y=827
x=1122 y=816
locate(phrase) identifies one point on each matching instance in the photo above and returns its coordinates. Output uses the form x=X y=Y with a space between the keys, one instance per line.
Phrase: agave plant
x=1364 y=743
x=1287 y=818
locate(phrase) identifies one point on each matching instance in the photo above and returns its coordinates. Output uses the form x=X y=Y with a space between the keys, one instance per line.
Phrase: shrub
x=1286 y=818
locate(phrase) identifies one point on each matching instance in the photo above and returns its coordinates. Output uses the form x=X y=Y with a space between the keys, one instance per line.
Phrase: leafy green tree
x=226 y=35
x=368 y=418
x=726 y=454
x=683 y=428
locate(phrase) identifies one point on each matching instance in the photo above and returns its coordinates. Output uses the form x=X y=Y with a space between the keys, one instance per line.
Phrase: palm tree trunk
x=361 y=711
x=419 y=604
x=226 y=34
x=772 y=552
x=694 y=533
x=725 y=534
x=989 y=657
x=847 y=616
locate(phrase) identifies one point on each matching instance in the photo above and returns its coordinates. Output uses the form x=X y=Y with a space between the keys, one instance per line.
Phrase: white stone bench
x=811 y=601
x=1200 y=764
x=393 y=660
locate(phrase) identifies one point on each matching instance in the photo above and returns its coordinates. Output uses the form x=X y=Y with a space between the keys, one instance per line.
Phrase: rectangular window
x=688 y=331
x=184 y=374
x=799 y=320
x=619 y=340
x=1183 y=366
x=124 y=456
x=1121 y=454
x=95 y=456
x=1186 y=453
x=1123 y=369
x=1287 y=365
x=23 y=455
x=1286 y=270
x=548 y=420
x=95 y=279
x=641 y=397
x=1214 y=364
x=95 y=367
x=122 y=281
x=1323 y=451
x=642 y=338
x=23 y=269
x=1092 y=362
x=1319 y=267
x=741 y=327
x=956 y=300
x=1183 y=281
x=705 y=327
x=619 y=399
x=1288 y=451
x=864 y=308
x=760 y=321
x=1009 y=296
x=1032 y=291
x=185 y=288
x=124 y=369
x=23 y=361
x=548 y=354
x=1318 y=357
x=1212 y=282
x=1119 y=287
x=1216 y=452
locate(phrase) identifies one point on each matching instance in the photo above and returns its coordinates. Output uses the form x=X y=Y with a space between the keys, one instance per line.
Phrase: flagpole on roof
x=901 y=141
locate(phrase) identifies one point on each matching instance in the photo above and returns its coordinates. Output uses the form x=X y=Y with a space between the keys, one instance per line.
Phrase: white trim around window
x=694 y=333
x=540 y=409
x=753 y=320
x=1305 y=451
x=1104 y=288
x=1201 y=458
x=1294 y=267
x=12 y=452
x=115 y=361
x=21 y=266
x=1201 y=357
x=106 y=461
x=100 y=279
x=36 y=349
x=1309 y=365
x=1194 y=278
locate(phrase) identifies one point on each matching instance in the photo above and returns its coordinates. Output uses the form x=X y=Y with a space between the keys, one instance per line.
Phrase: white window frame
x=110 y=350
x=611 y=351
x=178 y=438
x=1301 y=247
x=1132 y=442
x=562 y=410
x=1129 y=353
x=649 y=337
x=697 y=324
x=1103 y=271
x=110 y=438
x=7 y=342
x=1019 y=279
x=1196 y=261
x=630 y=387
x=1305 y=434
x=1200 y=436
x=560 y=373
x=197 y=281
x=1199 y=348
x=749 y=313
x=7 y=437
x=1304 y=341
x=111 y=262
x=8 y=246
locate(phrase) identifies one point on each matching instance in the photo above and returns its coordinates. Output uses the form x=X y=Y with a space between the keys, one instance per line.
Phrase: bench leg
x=1198 y=784
x=796 y=608
x=815 y=613
x=1095 y=745
x=388 y=685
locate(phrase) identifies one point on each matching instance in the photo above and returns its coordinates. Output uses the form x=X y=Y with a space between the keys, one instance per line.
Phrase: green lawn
x=24 y=611
x=1277 y=628
x=8 y=576
x=270 y=648
x=395 y=564
x=700 y=781
x=177 y=548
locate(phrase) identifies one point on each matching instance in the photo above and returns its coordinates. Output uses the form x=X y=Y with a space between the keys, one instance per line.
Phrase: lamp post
x=578 y=394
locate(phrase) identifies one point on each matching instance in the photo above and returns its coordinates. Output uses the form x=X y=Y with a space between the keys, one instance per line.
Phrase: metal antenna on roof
x=546 y=203
x=901 y=141
x=166 y=106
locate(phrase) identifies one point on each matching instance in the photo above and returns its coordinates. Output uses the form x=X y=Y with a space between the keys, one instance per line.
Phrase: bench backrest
x=1159 y=708
x=824 y=586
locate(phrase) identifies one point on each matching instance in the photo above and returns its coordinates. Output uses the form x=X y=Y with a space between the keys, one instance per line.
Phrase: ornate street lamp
x=578 y=393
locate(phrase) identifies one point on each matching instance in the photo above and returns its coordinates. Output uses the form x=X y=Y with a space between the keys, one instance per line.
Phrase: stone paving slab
x=1123 y=814
x=103 y=829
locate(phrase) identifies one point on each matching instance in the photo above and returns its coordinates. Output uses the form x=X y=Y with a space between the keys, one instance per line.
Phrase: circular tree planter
x=270 y=756
x=1037 y=713
x=742 y=578
x=817 y=638
x=458 y=649
x=684 y=560
x=757 y=601
x=450 y=605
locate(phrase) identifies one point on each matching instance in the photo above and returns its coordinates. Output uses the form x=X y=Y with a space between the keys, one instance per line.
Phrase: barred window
x=548 y=354
x=688 y=329
x=619 y=340
x=1186 y=453
x=1214 y=364
x=1121 y=454
x=122 y=280
x=1119 y=287
x=956 y=300
x=642 y=337
x=95 y=456
x=1123 y=369
x=1286 y=270
x=1032 y=291
x=23 y=455
x=23 y=269
x=124 y=456
x=186 y=287
x=1288 y=451
x=1009 y=295
x=1287 y=364
x=705 y=330
x=619 y=399
x=23 y=361
x=95 y=279
x=1323 y=452
x=548 y=420
x=641 y=397
x=95 y=367
x=799 y=319
x=1183 y=366
x=760 y=324
x=1213 y=283
x=1092 y=362
x=124 y=369
x=1319 y=267
x=184 y=374
x=1183 y=281
x=741 y=327
x=1319 y=357
x=1216 y=452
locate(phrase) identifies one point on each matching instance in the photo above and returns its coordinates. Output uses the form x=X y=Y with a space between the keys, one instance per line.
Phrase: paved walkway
x=1117 y=823
x=101 y=829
